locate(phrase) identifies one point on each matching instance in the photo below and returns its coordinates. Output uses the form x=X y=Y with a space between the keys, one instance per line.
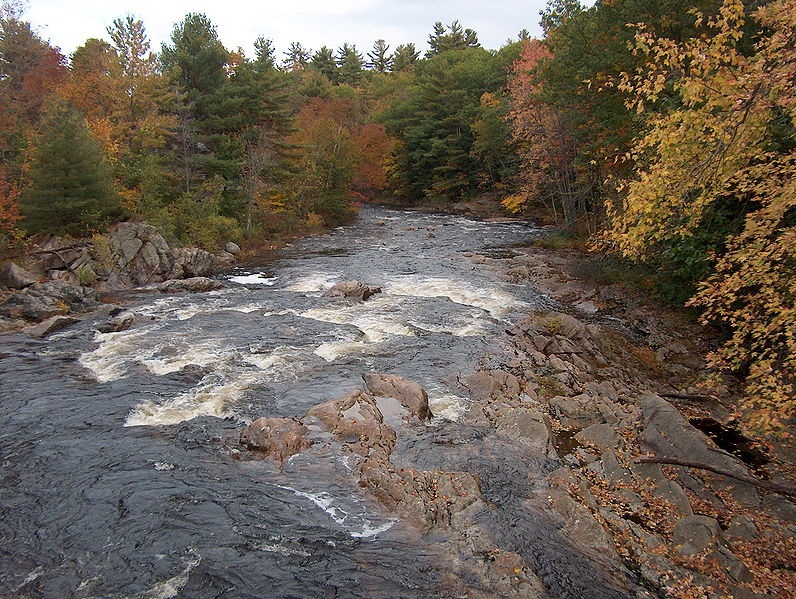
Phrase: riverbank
x=625 y=394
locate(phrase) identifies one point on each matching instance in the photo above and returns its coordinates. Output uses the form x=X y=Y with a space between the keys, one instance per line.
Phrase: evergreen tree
x=405 y=58
x=456 y=38
x=265 y=55
x=379 y=60
x=324 y=62
x=350 y=62
x=296 y=57
x=196 y=58
x=71 y=189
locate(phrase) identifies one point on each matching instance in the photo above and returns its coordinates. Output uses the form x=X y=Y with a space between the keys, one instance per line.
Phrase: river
x=121 y=472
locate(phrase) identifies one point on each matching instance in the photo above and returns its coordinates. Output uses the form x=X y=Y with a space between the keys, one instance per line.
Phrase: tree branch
x=788 y=490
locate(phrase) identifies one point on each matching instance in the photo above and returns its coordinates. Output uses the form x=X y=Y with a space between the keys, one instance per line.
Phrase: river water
x=121 y=475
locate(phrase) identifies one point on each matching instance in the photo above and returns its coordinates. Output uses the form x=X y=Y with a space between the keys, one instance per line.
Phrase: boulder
x=44 y=300
x=16 y=277
x=51 y=325
x=222 y=260
x=668 y=434
x=694 y=534
x=352 y=289
x=410 y=395
x=191 y=285
x=140 y=255
x=354 y=419
x=191 y=262
x=120 y=322
x=276 y=438
x=232 y=248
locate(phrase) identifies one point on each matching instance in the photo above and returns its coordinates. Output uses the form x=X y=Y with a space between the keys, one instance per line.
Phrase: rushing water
x=118 y=450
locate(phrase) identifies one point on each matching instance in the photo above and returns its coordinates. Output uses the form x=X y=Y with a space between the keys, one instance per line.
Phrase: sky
x=67 y=24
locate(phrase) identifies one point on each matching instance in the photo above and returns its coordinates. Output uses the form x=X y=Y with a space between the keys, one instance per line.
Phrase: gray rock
x=232 y=248
x=122 y=322
x=668 y=434
x=44 y=300
x=694 y=534
x=16 y=277
x=601 y=436
x=191 y=262
x=528 y=426
x=352 y=289
x=51 y=325
x=140 y=253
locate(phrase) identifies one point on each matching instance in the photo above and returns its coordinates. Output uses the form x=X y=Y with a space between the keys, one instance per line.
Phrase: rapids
x=120 y=475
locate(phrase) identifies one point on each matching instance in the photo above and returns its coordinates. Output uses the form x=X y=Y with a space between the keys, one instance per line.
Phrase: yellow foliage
x=515 y=203
x=716 y=145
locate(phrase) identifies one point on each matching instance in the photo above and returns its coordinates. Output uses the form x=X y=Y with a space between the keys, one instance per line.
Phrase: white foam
x=117 y=351
x=206 y=399
x=379 y=319
x=358 y=527
x=171 y=588
x=254 y=279
x=317 y=282
x=447 y=406
x=199 y=354
x=494 y=300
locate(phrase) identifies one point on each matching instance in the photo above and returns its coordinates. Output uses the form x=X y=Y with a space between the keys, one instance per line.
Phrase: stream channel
x=121 y=473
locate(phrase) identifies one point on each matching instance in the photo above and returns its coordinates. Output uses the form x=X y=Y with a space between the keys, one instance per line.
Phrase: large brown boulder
x=411 y=395
x=140 y=254
x=276 y=438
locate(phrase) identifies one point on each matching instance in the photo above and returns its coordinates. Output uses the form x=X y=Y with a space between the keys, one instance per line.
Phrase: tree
x=71 y=189
x=296 y=57
x=723 y=148
x=350 y=63
x=378 y=59
x=264 y=55
x=456 y=38
x=405 y=58
x=9 y=209
x=324 y=62
x=196 y=57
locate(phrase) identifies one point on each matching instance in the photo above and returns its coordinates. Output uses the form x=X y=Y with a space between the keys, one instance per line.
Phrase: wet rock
x=354 y=419
x=222 y=260
x=276 y=438
x=16 y=277
x=411 y=395
x=352 y=289
x=120 y=322
x=51 y=325
x=191 y=285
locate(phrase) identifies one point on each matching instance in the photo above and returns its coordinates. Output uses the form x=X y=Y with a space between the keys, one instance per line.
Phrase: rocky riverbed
x=472 y=418
x=613 y=394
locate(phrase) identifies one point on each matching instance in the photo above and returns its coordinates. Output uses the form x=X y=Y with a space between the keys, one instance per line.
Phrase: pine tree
x=378 y=59
x=71 y=189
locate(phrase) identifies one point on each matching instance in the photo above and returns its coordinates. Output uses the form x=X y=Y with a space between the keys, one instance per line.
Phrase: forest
x=661 y=133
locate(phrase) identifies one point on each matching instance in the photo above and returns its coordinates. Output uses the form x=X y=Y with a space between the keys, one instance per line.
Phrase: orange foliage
x=374 y=148
x=9 y=208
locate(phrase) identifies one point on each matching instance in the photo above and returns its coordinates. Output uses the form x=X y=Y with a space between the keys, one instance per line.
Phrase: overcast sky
x=68 y=23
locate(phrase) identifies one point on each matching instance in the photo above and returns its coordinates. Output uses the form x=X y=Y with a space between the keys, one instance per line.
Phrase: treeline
x=664 y=131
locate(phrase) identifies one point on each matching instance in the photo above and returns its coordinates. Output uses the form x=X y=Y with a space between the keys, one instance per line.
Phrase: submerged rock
x=191 y=285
